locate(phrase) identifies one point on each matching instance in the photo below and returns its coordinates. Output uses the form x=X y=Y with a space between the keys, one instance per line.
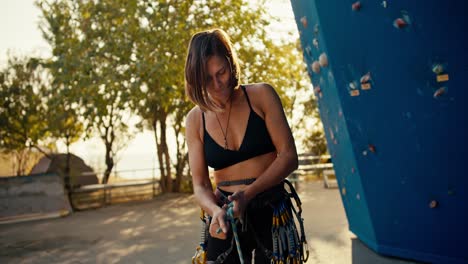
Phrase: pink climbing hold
x=366 y=78
x=356 y=6
x=318 y=91
x=323 y=60
x=441 y=91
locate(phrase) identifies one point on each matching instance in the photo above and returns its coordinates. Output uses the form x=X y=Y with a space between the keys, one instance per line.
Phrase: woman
x=240 y=131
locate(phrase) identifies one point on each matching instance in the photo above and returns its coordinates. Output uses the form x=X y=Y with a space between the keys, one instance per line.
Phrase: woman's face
x=217 y=79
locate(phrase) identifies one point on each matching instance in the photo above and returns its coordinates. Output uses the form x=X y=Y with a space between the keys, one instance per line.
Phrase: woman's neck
x=224 y=103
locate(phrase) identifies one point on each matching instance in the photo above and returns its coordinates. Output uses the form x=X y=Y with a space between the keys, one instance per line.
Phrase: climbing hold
x=316 y=67
x=308 y=51
x=353 y=85
x=371 y=148
x=442 y=78
x=354 y=92
x=364 y=153
x=366 y=86
x=400 y=23
x=316 y=29
x=315 y=43
x=433 y=204
x=358 y=196
x=365 y=81
x=405 y=16
x=384 y=4
x=343 y=191
x=438 y=68
x=318 y=91
x=323 y=60
x=366 y=78
x=441 y=91
x=304 y=21
x=330 y=130
x=353 y=170
x=356 y=6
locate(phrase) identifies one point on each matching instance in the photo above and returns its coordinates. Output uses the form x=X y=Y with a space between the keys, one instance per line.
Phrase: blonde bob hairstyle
x=202 y=46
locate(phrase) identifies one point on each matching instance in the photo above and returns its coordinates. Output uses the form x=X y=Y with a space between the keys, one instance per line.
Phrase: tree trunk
x=182 y=159
x=18 y=167
x=162 y=176
x=165 y=153
x=68 y=181
x=108 y=138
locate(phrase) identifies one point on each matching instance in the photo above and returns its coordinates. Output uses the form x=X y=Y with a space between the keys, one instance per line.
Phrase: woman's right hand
x=218 y=220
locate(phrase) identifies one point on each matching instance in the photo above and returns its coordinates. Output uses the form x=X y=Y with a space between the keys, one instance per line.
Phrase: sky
x=19 y=30
x=20 y=35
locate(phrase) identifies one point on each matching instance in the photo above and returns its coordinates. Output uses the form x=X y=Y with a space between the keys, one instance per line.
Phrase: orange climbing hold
x=304 y=21
x=400 y=23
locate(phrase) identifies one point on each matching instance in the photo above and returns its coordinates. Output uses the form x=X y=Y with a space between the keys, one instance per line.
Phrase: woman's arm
x=264 y=98
x=201 y=181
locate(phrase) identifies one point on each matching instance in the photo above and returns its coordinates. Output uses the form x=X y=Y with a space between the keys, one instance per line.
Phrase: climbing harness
x=288 y=246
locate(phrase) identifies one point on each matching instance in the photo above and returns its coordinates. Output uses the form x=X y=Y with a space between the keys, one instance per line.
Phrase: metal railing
x=318 y=166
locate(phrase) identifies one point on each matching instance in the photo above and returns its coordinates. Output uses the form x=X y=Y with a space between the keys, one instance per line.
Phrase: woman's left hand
x=240 y=203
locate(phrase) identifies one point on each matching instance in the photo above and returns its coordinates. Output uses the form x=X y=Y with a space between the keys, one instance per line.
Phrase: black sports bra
x=256 y=142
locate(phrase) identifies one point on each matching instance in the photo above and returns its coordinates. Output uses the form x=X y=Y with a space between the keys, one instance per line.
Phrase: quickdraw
x=286 y=243
x=201 y=251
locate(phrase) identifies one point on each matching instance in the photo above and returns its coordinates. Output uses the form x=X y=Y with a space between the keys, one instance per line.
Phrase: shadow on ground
x=167 y=230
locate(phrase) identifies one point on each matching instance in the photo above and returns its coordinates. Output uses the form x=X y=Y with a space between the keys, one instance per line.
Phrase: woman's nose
x=217 y=83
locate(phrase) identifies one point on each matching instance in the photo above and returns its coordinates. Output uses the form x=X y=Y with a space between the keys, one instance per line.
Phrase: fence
x=98 y=195
x=318 y=166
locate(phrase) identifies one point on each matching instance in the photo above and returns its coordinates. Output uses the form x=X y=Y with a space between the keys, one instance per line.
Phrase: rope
x=230 y=217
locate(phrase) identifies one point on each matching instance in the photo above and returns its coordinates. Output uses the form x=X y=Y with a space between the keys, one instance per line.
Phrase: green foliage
x=22 y=108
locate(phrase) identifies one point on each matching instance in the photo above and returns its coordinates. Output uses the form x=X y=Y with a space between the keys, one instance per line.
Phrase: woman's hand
x=240 y=203
x=218 y=220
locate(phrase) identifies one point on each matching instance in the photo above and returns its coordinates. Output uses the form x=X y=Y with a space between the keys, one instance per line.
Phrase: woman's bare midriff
x=251 y=168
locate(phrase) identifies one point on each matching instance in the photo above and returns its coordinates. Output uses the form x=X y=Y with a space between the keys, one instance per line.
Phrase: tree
x=22 y=108
x=92 y=45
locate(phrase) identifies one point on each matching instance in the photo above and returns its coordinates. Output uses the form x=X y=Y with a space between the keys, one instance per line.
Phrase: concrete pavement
x=166 y=230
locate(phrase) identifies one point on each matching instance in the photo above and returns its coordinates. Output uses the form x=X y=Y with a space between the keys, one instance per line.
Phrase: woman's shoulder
x=193 y=117
x=259 y=89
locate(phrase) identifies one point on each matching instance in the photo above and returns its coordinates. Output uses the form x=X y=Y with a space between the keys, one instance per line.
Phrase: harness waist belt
x=237 y=182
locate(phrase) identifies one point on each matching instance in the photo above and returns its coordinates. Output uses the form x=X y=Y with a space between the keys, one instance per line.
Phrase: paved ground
x=166 y=230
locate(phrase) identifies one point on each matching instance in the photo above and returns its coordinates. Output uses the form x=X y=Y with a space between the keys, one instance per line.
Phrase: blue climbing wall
x=391 y=79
